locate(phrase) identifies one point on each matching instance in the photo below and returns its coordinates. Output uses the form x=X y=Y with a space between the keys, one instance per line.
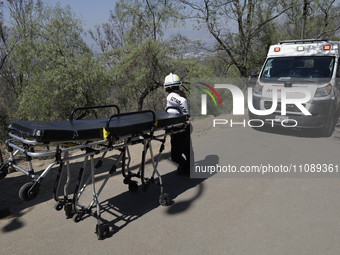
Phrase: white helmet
x=172 y=80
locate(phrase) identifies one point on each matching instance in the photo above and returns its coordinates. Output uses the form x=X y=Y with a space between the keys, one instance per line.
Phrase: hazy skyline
x=97 y=12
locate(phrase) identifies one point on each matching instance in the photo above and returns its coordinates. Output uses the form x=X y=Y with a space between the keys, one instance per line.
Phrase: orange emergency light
x=326 y=47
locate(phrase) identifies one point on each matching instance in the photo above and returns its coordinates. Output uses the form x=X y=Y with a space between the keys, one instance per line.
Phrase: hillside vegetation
x=47 y=69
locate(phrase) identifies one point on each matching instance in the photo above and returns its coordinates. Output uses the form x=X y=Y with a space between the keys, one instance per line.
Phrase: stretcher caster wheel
x=76 y=217
x=102 y=231
x=3 y=170
x=26 y=193
x=133 y=186
x=69 y=211
x=58 y=206
x=164 y=199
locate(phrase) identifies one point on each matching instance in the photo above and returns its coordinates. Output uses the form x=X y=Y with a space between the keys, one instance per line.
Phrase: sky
x=97 y=12
x=92 y=11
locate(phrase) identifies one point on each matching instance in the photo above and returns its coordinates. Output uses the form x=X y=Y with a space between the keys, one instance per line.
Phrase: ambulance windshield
x=304 y=68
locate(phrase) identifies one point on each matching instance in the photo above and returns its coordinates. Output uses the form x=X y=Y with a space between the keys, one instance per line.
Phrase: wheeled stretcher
x=93 y=137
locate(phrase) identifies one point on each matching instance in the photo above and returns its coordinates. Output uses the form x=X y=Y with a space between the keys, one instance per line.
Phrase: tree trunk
x=1 y=159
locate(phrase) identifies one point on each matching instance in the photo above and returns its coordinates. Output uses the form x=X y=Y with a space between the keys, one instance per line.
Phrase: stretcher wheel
x=164 y=199
x=3 y=170
x=133 y=186
x=102 y=231
x=25 y=194
x=58 y=206
x=76 y=217
x=69 y=211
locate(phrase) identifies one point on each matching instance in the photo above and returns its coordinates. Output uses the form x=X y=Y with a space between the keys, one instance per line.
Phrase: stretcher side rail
x=41 y=154
x=152 y=124
x=92 y=107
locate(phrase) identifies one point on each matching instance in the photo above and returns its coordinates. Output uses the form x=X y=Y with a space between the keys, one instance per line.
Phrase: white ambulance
x=300 y=64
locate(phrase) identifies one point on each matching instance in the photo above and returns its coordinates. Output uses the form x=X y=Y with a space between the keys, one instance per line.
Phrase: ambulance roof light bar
x=303 y=41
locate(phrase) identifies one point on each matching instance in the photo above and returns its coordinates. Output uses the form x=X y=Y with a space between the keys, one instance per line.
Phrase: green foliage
x=47 y=69
x=55 y=92
x=322 y=20
x=138 y=73
x=147 y=18
x=141 y=71
x=48 y=40
x=136 y=21
x=57 y=69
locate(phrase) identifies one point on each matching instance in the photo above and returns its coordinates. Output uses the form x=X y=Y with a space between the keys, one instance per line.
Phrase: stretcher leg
x=70 y=208
x=133 y=186
x=99 y=164
x=111 y=172
x=102 y=230
x=61 y=202
x=30 y=190
x=93 y=186
x=164 y=198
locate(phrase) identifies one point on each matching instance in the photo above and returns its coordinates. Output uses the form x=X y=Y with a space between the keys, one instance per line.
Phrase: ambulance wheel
x=164 y=199
x=58 y=206
x=327 y=131
x=76 y=217
x=133 y=186
x=3 y=170
x=25 y=194
x=102 y=231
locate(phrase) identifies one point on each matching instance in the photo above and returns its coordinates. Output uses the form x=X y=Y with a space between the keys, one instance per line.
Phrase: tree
x=132 y=46
x=135 y=21
x=52 y=95
x=53 y=63
x=5 y=47
x=317 y=19
x=142 y=71
x=220 y=18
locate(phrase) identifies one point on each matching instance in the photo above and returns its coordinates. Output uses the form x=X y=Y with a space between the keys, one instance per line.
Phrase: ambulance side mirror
x=337 y=82
x=253 y=77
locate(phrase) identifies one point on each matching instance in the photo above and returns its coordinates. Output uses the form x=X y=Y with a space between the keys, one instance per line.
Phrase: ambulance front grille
x=289 y=107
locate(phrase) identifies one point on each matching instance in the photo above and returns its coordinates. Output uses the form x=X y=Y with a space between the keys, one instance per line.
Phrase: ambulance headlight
x=324 y=91
x=258 y=89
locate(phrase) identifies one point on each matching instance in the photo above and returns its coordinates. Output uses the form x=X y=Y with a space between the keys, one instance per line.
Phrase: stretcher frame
x=70 y=203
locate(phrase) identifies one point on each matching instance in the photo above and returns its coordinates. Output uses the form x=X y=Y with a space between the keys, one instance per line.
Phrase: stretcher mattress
x=92 y=129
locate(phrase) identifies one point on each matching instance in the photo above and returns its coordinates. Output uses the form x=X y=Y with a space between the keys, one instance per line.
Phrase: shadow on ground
x=128 y=207
x=125 y=207
x=308 y=133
